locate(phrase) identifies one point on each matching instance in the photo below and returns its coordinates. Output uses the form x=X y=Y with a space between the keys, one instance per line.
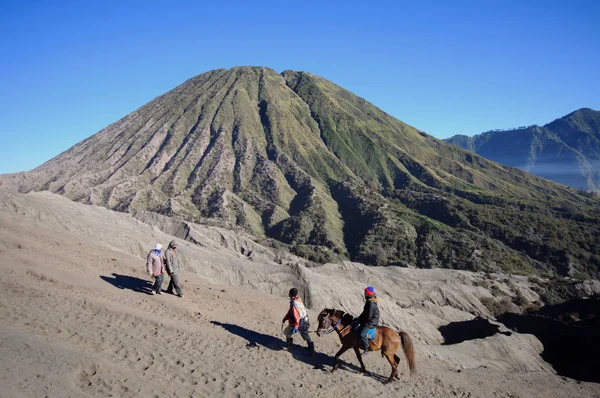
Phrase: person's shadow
x=129 y=282
x=318 y=360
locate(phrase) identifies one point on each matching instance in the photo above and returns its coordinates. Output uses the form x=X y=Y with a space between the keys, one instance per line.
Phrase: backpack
x=304 y=321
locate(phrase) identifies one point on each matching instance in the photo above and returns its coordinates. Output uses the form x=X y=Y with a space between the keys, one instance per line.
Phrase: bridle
x=332 y=327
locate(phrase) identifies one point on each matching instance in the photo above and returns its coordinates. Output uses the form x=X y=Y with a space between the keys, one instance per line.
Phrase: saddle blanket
x=370 y=333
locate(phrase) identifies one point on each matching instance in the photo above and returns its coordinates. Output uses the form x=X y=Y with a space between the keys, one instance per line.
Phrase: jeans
x=364 y=342
x=158 y=280
x=174 y=283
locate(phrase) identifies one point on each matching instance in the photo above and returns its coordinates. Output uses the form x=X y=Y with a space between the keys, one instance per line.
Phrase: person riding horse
x=369 y=318
x=386 y=339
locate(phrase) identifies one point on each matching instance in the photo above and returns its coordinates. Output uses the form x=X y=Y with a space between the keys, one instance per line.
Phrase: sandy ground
x=76 y=320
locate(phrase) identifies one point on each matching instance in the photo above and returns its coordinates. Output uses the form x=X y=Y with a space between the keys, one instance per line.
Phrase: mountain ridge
x=566 y=150
x=301 y=162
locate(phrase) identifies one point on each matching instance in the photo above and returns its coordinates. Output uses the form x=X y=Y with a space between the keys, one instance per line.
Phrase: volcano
x=301 y=163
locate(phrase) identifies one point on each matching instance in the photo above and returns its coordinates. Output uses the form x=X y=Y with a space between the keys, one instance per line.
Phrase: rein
x=342 y=331
x=334 y=326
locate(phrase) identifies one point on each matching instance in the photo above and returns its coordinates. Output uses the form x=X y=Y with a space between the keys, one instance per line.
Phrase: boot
x=288 y=343
x=311 y=348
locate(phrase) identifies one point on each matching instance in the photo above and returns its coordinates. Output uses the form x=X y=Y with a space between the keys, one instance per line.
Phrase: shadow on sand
x=478 y=328
x=572 y=346
x=570 y=333
x=318 y=360
x=129 y=282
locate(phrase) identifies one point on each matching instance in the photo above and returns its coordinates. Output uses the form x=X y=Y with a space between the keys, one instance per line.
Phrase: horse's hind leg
x=392 y=361
x=359 y=356
x=397 y=360
x=337 y=356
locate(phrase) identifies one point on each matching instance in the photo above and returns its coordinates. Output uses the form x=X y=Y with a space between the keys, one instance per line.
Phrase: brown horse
x=387 y=340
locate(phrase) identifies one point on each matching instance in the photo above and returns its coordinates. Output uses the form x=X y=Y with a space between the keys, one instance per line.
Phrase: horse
x=386 y=339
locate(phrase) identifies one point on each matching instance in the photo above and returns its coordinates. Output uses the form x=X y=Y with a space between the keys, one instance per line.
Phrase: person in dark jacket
x=369 y=318
x=172 y=263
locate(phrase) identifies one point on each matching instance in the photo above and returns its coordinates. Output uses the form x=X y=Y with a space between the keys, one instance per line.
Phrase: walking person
x=298 y=322
x=155 y=267
x=172 y=263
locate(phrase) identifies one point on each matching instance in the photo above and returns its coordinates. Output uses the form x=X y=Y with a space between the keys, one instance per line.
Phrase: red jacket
x=293 y=315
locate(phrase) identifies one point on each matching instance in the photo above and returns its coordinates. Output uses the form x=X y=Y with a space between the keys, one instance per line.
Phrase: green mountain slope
x=298 y=161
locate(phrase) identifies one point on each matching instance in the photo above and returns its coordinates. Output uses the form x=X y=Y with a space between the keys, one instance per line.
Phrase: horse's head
x=324 y=320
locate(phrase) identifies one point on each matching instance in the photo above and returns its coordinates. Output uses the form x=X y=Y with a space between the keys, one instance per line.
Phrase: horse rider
x=297 y=318
x=369 y=318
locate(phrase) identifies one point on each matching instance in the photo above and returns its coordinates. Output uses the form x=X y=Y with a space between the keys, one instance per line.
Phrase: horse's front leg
x=359 y=356
x=337 y=356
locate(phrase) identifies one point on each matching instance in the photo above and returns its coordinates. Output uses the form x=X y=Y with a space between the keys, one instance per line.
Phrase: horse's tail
x=409 y=351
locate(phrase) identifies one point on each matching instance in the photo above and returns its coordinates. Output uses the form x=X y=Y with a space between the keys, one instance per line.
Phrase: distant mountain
x=301 y=163
x=566 y=151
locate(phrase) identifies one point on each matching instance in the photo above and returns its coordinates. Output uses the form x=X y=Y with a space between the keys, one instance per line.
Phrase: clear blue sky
x=67 y=69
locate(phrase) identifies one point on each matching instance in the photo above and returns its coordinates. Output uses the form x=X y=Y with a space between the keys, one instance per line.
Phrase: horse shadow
x=318 y=360
x=129 y=282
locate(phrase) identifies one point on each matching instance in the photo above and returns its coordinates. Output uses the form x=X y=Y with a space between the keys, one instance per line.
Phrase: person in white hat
x=155 y=267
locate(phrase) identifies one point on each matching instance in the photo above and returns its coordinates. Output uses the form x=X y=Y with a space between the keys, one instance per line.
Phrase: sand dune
x=76 y=319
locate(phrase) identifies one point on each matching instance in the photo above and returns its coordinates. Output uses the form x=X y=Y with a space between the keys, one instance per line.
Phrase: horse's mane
x=346 y=318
